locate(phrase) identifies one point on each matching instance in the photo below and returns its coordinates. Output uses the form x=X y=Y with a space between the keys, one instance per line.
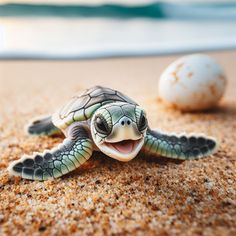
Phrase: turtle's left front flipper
x=184 y=147
x=69 y=155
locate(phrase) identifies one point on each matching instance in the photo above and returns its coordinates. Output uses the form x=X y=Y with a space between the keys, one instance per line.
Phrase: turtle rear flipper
x=183 y=147
x=42 y=126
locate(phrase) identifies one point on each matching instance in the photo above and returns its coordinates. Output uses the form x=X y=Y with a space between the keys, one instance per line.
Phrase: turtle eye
x=142 y=122
x=101 y=126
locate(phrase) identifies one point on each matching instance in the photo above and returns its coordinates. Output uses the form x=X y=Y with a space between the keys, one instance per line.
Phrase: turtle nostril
x=125 y=121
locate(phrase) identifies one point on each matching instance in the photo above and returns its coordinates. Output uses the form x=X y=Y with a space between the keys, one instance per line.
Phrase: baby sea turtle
x=103 y=119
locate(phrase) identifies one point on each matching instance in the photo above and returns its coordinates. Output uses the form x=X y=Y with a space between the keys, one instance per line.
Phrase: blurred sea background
x=87 y=29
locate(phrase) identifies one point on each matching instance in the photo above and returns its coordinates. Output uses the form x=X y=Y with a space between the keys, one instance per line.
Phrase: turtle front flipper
x=183 y=147
x=42 y=126
x=69 y=155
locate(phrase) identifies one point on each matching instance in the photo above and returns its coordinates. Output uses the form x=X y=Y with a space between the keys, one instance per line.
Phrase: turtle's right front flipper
x=43 y=126
x=73 y=152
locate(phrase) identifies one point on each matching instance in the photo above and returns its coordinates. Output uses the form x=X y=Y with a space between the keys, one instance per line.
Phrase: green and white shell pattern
x=81 y=108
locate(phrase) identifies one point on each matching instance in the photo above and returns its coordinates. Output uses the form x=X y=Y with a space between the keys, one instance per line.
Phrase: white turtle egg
x=191 y=83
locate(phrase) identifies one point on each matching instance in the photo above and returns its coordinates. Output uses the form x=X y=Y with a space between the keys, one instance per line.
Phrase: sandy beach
x=146 y=196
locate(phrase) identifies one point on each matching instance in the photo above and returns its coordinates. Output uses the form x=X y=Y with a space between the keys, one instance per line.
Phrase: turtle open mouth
x=124 y=146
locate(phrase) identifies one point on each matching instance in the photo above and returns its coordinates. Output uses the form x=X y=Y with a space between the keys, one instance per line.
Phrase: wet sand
x=147 y=196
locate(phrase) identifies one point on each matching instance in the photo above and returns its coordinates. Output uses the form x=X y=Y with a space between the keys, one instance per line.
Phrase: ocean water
x=152 y=9
x=49 y=31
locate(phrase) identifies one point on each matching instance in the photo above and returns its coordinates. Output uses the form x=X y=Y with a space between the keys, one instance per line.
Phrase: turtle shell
x=81 y=107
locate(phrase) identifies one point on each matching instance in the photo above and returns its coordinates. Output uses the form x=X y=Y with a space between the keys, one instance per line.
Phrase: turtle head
x=119 y=129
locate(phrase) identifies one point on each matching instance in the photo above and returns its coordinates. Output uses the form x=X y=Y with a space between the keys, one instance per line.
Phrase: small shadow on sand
x=221 y=109
x=99 y=159
x=159 y=160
